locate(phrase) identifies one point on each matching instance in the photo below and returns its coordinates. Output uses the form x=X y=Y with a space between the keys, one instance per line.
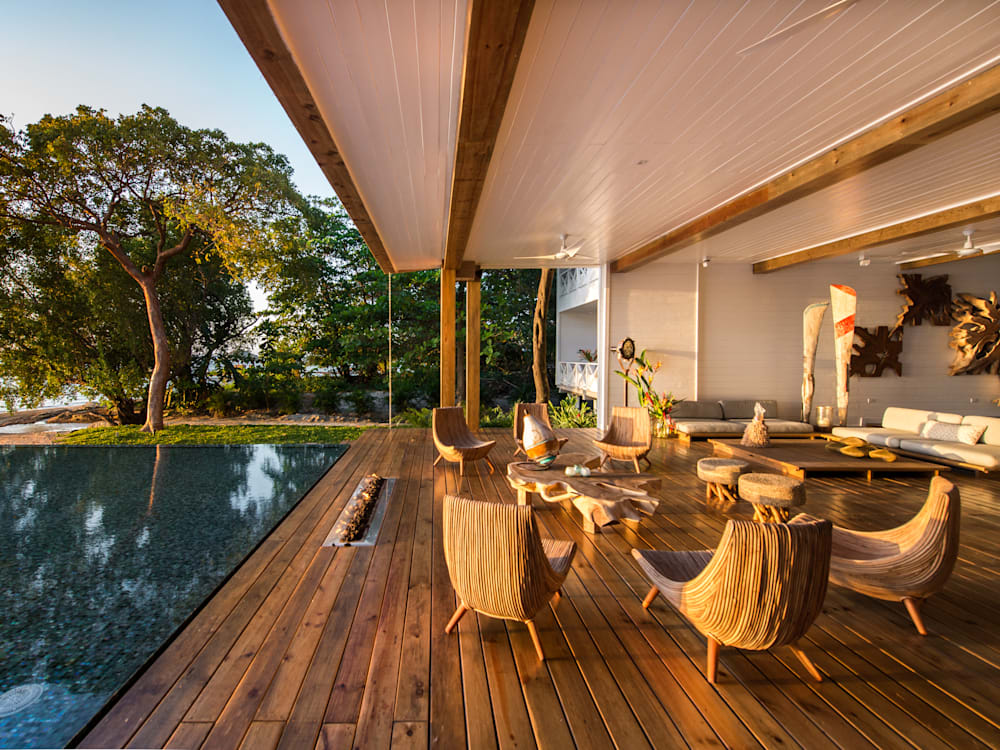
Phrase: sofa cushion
x=697 y=410
x=987 y=456
x=787 y=426
x=911 y=420
x=708 y=427
x=953 y=433
x=743 y=409
x=992 y=434
x=866 y=433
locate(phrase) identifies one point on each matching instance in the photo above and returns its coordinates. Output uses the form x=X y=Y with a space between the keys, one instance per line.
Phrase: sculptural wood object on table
x=844 y=302
x=812 y=319
x=976 y=338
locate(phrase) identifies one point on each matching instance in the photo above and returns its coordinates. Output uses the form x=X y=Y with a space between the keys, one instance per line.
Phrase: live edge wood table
x=797 y=458
x=601 y=498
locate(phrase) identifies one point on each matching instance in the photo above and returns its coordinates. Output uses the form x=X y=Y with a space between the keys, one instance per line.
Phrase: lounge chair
x=455 y=442
x=906 y=564
x=762 y=587
x=498 y=563
x=539 y=412
x=629 y=438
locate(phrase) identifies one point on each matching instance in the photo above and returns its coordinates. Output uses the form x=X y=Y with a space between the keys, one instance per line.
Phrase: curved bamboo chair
x=498 y=563
x=762 y=587
x=629 y=438
x=455 y=441
x=906 y=564
x=539 y=412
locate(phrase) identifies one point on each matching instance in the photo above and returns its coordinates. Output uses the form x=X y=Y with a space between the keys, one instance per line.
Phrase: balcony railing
x=576 y=286
x=577 y=377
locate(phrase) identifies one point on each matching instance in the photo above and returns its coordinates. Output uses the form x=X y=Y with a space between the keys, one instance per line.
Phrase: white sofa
x=901 y=430
x=729 y=418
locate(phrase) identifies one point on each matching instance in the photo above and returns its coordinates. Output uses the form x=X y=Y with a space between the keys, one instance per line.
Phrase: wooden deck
x=309 y=646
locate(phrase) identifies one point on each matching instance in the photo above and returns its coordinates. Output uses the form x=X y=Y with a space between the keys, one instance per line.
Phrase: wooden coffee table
x=797 y=458
x=601 y=498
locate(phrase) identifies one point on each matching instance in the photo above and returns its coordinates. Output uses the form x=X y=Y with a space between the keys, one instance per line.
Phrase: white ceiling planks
x=957 y=169
x=386 y=79
x=603 y=86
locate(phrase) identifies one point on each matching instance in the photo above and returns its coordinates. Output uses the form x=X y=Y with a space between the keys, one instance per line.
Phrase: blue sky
x=118 y=54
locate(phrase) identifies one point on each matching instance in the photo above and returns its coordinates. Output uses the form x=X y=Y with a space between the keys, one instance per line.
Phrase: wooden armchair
x=762 y=587
x=539 y=412
x=906 y=564
x=629 y=438
x=455 y=442
x=498 y=563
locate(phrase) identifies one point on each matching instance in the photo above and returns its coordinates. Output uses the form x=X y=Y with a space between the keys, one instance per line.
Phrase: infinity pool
x=105 y=552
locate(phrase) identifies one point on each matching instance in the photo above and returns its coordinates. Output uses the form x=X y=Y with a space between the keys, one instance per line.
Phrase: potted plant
x=658 y=404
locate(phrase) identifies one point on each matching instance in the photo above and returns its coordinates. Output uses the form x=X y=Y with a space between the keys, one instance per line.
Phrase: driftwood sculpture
x=876 y=349
x=844 y=303
x=926 y=299
x=976 y=338
x=812 y=319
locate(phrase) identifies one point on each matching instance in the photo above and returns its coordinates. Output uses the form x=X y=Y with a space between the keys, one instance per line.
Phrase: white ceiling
x=386 y=78
x=628 y=119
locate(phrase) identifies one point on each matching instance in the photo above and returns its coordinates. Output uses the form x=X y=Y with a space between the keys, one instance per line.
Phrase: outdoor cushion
x=780 y=426
x=987 y=456
x=867 y=433
x=707 y=427
x=961 y=433
x=992 y=434
x=911 y=420
x=743 y=409
x=697 y=410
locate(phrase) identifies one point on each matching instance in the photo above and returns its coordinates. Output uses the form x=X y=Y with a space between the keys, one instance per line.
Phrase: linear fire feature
x=359 y=522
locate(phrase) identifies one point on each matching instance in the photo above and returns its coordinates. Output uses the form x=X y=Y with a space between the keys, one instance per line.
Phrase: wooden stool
x=720 y=476
x=771 y=495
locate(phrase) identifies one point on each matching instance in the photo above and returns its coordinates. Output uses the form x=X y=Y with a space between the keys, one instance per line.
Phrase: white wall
x=750 y=341
x=576 y=329
x=656 y=306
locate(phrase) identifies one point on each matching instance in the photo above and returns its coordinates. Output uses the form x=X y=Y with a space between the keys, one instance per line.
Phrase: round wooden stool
x=771 y=495
x=720 y=476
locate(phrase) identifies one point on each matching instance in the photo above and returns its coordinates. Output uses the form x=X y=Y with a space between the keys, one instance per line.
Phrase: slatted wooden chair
x=455 y=442
x=762 y=587
x=498 y=563
x=539 y=412
x=629 y=437
x=906 y=564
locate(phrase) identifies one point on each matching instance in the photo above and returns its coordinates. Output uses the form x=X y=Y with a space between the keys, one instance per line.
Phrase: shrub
x=497 y=417
x=568 y=414
x=413 y=418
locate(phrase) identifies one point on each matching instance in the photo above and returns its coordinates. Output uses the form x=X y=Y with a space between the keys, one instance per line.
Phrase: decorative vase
x=661 y=428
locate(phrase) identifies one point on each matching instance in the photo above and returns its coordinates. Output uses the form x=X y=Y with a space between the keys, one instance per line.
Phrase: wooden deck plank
x=311 y=647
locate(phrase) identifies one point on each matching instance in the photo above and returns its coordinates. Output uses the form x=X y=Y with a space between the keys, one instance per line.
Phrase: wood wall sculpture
x=812 y=319
x=843 y=305
x=926 y=299
x=876 y=349
x=976 y=338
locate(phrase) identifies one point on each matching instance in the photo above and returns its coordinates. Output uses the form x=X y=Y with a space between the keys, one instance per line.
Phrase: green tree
x=73 y=321
x=146 y=190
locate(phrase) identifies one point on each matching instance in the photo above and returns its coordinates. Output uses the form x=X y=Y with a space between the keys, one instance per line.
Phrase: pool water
x=105 y=552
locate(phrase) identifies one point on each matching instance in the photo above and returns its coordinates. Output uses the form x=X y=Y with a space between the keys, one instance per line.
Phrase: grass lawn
x=212 y=435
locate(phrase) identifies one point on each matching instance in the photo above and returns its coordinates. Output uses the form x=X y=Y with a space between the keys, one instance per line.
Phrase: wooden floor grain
x=307 y=646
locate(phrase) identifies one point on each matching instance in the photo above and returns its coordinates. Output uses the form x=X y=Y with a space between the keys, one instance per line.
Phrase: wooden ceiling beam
x=495 y=37
x=951 y=217
x=255 y=25
x=959 y=106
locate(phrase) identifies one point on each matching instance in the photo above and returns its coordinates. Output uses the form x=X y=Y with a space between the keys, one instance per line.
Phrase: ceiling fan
x=566 y=251
x=971 y=248
x=968 y=249
x=821 y=15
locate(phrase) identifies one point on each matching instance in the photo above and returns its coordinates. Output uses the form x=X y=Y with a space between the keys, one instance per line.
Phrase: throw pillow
x=965 y=433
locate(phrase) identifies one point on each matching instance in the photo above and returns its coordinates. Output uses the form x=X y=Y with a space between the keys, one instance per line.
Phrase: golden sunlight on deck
x=309 y=646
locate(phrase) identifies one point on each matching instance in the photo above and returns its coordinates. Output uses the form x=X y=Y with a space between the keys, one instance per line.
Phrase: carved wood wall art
x=926 y=299
x=876 y=349
x=976 y=338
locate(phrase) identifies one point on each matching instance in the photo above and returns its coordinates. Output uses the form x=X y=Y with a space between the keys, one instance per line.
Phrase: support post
x=472 y=334
x=604 y=354
x=447 y=364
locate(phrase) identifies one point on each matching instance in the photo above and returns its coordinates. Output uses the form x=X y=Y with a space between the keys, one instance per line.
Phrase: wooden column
x=472 y=333
x=447 y=337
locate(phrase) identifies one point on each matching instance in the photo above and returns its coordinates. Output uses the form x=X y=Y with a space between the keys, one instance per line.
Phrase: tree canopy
x=144 y=189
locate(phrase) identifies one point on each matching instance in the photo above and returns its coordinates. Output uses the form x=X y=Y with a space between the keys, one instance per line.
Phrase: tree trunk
x=161 y=359
x=539 y=350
